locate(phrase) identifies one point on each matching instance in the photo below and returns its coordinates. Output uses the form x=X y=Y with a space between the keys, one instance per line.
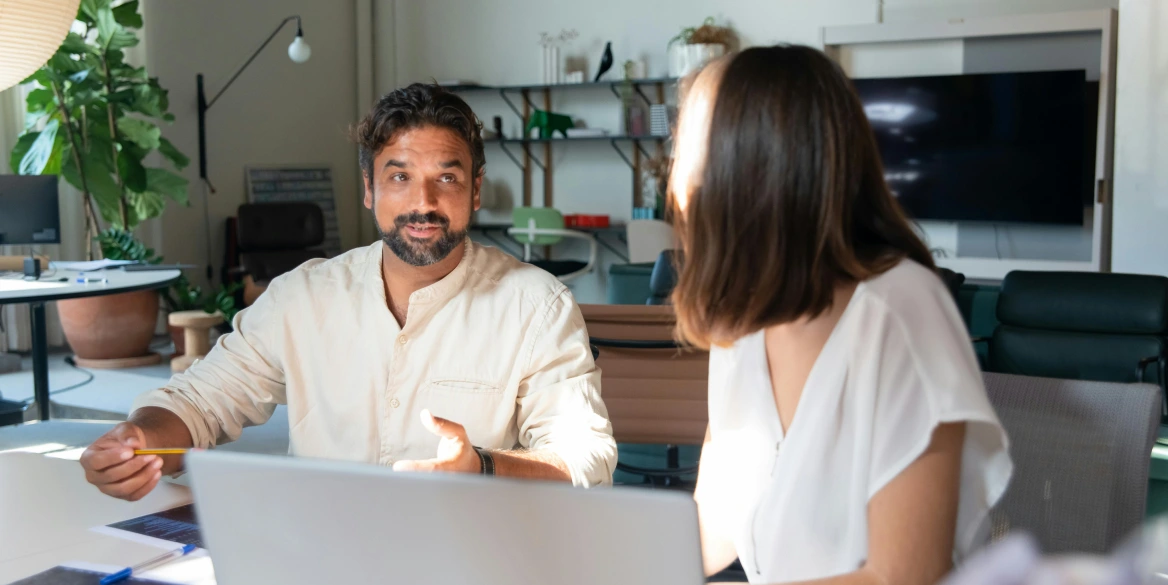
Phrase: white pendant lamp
x=30 y=32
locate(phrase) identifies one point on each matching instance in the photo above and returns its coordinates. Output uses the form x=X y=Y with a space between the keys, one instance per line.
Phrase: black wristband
x=486 y=462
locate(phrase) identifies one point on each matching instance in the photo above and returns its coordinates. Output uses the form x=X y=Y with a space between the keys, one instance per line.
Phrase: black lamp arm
x=299 y=32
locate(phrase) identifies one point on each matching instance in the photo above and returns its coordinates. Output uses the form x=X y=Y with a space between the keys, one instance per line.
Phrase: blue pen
x=154 y=562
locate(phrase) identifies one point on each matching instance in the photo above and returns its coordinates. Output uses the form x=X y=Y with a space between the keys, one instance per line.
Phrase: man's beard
x=416 y=252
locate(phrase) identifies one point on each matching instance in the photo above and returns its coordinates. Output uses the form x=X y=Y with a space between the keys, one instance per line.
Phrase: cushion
x=1085 y=301
x=1072 y=355
x=280 y=226
x=560 y=267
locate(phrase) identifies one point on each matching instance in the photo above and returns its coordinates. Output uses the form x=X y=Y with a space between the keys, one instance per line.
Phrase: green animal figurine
x=548 y=124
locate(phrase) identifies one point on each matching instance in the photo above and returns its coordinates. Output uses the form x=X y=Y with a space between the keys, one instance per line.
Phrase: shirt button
x=394 y=403
x=402 y=340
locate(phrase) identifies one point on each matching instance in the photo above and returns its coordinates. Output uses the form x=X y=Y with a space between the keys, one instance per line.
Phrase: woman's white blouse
x=898 y=364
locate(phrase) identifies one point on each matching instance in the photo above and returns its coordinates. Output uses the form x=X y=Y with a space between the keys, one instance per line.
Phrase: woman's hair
x=778 y=194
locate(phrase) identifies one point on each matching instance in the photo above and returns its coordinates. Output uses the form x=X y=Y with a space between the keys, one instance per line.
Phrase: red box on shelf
x=578 y=220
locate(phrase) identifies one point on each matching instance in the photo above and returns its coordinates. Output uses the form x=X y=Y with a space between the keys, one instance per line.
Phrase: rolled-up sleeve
x=238 y=384
x=559 y=405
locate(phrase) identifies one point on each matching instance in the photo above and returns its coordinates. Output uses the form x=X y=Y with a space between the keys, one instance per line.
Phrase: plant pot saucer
x=149 y=359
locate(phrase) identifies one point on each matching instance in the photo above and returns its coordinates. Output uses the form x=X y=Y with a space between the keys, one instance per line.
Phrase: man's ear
x=477 y=197
x=368 y=191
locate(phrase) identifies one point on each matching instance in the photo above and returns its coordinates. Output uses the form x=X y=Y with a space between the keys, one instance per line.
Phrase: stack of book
x=661 y=119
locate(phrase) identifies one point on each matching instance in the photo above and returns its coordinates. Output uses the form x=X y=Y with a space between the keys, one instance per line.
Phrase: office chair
x=544 y=226
x=1080 y=450
x=663 y=278
x=274 y=238
x=1082 y=326
x=655 y=392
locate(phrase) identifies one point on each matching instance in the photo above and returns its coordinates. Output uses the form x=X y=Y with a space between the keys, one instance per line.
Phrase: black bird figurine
x=605 y=61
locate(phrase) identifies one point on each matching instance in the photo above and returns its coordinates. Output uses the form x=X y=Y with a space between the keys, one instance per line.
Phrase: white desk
x=59 y=285
x=47 y=509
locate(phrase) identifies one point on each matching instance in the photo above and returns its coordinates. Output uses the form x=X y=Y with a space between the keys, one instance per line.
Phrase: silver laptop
x=294 y=521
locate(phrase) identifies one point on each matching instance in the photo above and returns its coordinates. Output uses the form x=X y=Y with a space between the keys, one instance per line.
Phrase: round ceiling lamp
x=30 y=32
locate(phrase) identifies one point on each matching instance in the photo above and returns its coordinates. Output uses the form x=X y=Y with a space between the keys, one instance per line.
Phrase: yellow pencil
x=160 y=451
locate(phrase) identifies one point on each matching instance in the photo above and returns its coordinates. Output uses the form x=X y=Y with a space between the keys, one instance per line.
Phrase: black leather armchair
x=1082 y=326
x=274 y=238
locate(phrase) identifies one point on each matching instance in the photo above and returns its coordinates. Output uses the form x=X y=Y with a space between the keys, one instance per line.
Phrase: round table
x=59 y=285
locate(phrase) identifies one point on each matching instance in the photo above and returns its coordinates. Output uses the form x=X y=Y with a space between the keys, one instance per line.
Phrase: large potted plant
x=91 y=119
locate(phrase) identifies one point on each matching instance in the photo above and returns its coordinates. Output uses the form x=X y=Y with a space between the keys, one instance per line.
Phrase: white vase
x=685 y=59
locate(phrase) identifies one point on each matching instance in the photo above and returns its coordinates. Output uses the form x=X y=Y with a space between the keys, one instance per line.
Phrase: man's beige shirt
x=497 y=345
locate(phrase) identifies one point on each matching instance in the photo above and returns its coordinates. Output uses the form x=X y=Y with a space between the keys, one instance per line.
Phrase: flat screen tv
x=998 y=147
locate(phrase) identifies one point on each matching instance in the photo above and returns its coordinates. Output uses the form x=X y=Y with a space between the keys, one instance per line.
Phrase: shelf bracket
x=507 y=151
x=537 y=162
x=637 y=88
x=616 y=252
x=624 y=157
x=510 y=104
x=637 y=142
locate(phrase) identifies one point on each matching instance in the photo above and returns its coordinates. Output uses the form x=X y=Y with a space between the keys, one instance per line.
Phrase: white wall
x=277 y=112
x=494 y=42
x=1140 y=217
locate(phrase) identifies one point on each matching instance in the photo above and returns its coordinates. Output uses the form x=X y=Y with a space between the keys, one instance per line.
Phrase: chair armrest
x=1142 y=366
x=980 y=339
x=520 y=231
x=634 y=343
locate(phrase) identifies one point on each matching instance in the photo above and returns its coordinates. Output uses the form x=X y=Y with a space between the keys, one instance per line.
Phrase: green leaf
x=140 y=132
x=146 y=100
x=90 y=8
x=146 y=205
x=98 y=178
x=40 y=99
x=53 y=166
x=75 y=43
x=132 y=172
x=127 y=14
x=166 y=183
x=172 y=154
x=112 y=36
x=41 y=151
x=63 y=65
x=40 y=77
x=23 y=144
x=80 y=76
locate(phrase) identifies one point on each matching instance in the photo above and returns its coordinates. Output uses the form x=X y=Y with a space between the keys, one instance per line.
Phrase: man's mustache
x=431 y=218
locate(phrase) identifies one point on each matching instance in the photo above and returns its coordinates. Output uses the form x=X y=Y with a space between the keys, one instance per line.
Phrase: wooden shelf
x=585 y=85
x=605 y=138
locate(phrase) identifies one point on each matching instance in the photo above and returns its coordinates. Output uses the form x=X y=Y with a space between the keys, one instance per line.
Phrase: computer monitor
x=28 y=210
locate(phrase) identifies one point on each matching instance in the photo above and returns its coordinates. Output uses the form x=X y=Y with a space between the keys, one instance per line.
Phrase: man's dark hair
x=416 y=106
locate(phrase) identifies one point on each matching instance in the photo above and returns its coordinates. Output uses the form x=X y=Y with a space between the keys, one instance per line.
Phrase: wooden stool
x=196 y=336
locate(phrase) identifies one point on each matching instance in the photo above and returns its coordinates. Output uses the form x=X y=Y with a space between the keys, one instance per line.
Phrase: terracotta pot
x=112 y=326
x=179 y=338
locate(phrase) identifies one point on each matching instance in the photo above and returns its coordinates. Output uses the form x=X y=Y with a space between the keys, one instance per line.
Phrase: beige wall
x=277 y=112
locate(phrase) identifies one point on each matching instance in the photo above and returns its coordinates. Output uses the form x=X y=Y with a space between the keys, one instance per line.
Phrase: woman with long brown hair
x=850 y=435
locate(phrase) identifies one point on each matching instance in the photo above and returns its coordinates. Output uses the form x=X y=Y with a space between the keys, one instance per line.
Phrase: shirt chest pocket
x=481 y=407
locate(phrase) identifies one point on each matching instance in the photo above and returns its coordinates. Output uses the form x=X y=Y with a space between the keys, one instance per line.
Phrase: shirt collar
x=441 y=291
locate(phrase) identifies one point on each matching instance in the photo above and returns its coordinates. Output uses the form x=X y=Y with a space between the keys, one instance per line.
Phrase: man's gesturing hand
x=455 y=453
x=110 y=464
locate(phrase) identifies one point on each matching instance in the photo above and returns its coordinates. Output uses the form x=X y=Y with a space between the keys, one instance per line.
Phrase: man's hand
x=110 y=463
x=455 y=453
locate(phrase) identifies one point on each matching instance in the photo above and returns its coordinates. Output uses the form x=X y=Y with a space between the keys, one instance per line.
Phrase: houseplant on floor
x=89 y=119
